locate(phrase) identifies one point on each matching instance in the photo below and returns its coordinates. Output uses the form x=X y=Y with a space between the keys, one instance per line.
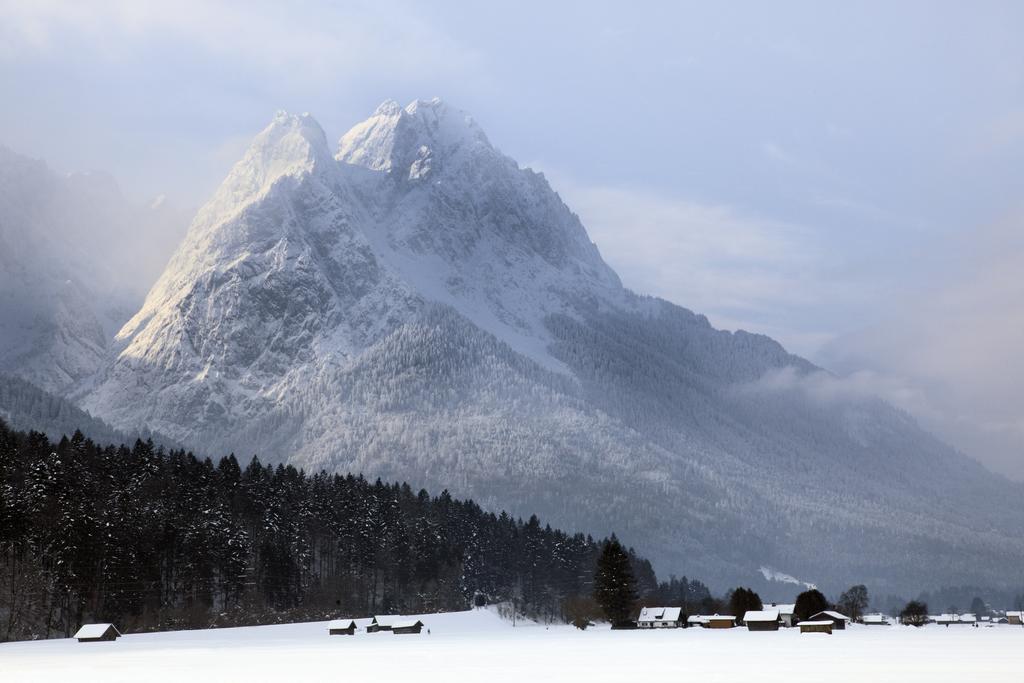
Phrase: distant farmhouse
x=785 y=613
x=660 y=617
x=875 y=620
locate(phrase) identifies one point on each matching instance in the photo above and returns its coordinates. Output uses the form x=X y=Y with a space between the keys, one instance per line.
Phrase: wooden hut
x=762 y=620
x=95 y=633
x=407 y=626
x=824 y=626
x=383 y=622
x=838 y=620
x=719 y=621
x=342 y=627
x=1014 y=618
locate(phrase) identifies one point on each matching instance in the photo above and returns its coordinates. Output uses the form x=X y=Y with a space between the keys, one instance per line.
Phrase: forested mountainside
x=156 y=540
x=416 y=305
x=26 y=407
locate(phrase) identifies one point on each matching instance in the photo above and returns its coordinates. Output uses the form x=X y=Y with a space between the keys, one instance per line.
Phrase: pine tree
x=614 y=586
x=809 y=603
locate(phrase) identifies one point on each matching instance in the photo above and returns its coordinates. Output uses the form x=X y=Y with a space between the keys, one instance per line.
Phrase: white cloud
x=328 y=43
x=955 y=346
x=741 y=270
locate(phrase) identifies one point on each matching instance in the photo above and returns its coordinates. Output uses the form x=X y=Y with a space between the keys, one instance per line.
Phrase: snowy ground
x=479 y=646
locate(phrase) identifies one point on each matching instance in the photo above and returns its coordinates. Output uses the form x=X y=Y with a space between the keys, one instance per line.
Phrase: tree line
x=155 y=540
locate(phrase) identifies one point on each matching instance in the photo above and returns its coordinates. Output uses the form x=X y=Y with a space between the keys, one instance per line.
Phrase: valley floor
x=479 y=646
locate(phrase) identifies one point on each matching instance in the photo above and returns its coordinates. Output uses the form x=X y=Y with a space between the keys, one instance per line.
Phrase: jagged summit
x=411 y=142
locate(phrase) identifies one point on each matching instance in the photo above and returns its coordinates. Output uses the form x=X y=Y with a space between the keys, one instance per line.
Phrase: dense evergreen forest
x=157 y=540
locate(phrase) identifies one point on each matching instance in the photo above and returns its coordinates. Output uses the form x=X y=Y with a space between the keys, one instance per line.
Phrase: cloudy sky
x=845 y=177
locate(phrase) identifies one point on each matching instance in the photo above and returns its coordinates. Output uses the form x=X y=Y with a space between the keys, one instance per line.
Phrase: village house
x=762 y=620
x=1014 y=617
x=342 y=627
x=94 y=633
x=838 y=620
x=660 y=617
x=696 y=620
x=875 y=620
x=823 y=626
x=786 y=617
x=413 y=626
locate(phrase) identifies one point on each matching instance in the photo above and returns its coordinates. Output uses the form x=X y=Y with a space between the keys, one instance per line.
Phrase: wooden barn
x=1014 y=618
x=719 y=621
x=383 y=622
x=407 y=626
x=95 y=633
x=660 y=617
x=824 y=626
x=762 y=620
x=838 y=620
x=342 y=627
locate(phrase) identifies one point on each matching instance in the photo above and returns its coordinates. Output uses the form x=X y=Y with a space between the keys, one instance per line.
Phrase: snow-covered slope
x=416 y=306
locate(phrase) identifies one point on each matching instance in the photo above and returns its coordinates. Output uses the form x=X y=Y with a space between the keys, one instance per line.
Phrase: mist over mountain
x=76 y=258
x=414 y=305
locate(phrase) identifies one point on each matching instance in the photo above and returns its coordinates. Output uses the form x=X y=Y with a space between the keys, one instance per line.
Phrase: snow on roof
x=1014 y=614
x=969 y=618
x=762 y=615
x=660 y=614
x=387 y=619
x=833 y=615
x=94 y=630
x=876 y=619
x=784 y=609
x=340 y=623
x=406 y=624
x=696 y=619
x=720 y=616
x=815 y=623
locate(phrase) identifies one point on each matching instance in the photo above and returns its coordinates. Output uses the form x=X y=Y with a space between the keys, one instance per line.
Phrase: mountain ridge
x=417 y=304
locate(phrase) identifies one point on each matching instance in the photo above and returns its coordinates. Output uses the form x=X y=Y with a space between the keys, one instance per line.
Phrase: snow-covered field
x=479 y=646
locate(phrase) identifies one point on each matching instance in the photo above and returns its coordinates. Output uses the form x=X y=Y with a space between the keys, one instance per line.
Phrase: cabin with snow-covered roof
x=719 y=621
x=660 y=617
x=95 y=633
x=341 y=627
x=816 y=626
x=407 y=626
x=838 y=620
x=762 y=620
x=383 y=622
x=1014 y=618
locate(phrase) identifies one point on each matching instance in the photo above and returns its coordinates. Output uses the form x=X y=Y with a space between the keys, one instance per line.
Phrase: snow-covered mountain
x=76 y=258
x=418 y=307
